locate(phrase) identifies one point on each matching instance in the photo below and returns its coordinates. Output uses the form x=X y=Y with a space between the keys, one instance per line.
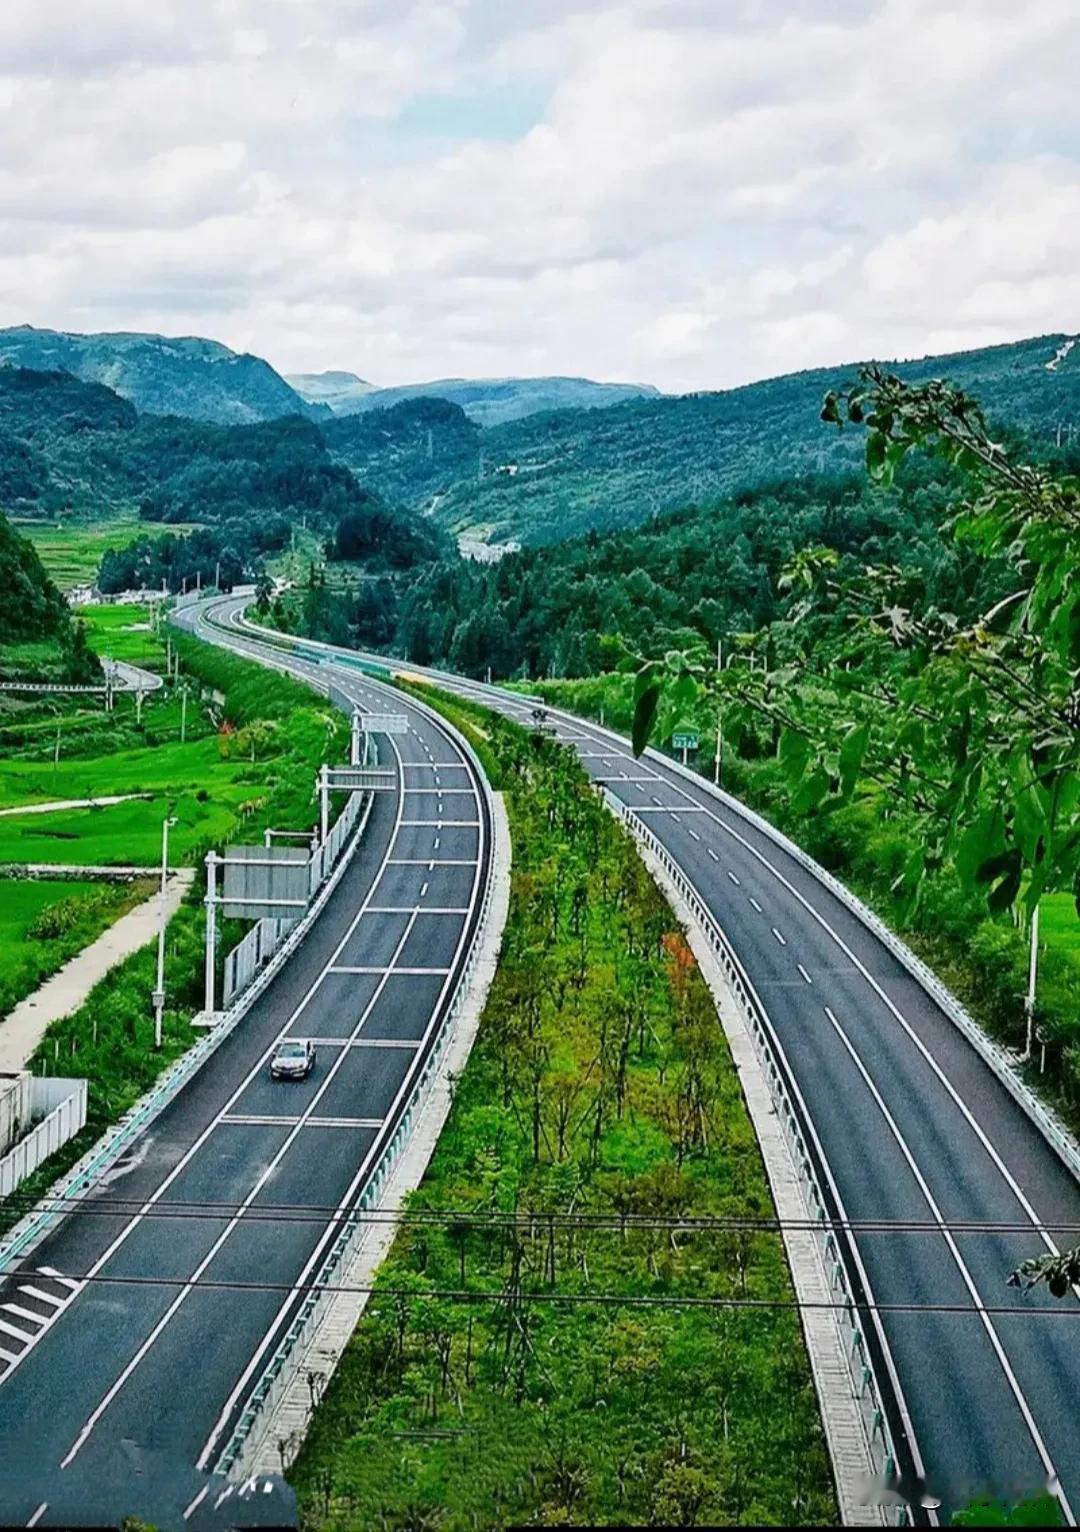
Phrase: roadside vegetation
x=72 y=549
x=44 y=922
x=109 y=1039
x=524 y=1360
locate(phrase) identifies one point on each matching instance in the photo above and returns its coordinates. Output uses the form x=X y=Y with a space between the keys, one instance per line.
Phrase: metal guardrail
x=864 y=1381
x=288 y=1355
x=997 y=1058
x=57 y=1201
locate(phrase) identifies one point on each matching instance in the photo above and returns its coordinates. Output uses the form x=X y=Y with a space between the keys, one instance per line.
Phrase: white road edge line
x=968 y=1279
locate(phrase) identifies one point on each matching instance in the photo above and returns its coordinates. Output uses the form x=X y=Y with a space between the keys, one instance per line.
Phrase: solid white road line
x=199 y=1498
x=41 y=1296
x=50 y=1271
x=967 y=1278
x=20 y=1313
x=181 y=1297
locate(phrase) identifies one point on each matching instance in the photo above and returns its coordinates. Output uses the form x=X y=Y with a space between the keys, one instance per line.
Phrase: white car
x=292 y=1060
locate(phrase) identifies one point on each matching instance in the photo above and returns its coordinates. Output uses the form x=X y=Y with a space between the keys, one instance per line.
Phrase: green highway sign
x=684 y=741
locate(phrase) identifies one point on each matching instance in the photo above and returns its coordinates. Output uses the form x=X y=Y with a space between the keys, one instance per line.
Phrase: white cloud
x=702 y=193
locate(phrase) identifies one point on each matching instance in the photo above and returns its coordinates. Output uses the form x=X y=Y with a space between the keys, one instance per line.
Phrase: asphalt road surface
x=125 y=1355
x=912 y=1129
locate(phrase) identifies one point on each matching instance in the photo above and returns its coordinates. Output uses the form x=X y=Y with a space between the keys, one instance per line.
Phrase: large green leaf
x=794 y=755
x=645 y=716
x=852 y=752
x=980 y=843
x=811 y=791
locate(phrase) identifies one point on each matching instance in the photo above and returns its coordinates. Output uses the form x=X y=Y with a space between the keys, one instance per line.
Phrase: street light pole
x=1033 y=974
x=159 y=988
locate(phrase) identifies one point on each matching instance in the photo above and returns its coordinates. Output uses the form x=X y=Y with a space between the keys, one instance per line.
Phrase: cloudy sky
x=689 y=192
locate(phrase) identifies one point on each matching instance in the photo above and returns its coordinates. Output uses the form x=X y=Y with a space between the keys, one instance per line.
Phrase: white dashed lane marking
x=734 y=879
x=756 y=905
x=712 y=853
x=780 y=937
x=804 y=973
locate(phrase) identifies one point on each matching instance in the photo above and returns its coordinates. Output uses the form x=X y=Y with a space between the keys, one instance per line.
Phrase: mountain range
x=204 y=380
x=161 y=374
x=77 y=447
x=488 y=401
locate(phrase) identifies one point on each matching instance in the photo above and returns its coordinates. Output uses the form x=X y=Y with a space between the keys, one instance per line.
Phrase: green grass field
x=162 y=769
x=72 y=553
x=26 y=957
x=1059 y=925
x=123 y=633
x=124 y=833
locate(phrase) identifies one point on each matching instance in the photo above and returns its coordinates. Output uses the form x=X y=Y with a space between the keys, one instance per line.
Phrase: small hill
x=38 y=639
x=413 y=453
x=31 y=607
x=338 y=391
x=492 y=401
x=162 y=375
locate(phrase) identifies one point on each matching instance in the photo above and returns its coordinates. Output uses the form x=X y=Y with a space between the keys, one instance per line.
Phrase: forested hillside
x=555 y=475
x=37 y=634
x=161 y=374
x=75 y=449
x=585 y=605
x=538 y=479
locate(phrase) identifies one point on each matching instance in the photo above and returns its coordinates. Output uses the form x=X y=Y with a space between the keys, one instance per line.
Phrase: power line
x=603 y=1299
x=480 y=1219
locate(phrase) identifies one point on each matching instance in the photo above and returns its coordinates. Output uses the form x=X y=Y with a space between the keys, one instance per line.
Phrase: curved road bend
x=914 y=1128
x=116 y=1394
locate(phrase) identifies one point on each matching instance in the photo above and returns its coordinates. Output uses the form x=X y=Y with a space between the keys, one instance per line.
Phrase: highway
x=909 y=1126
x=125 y=1354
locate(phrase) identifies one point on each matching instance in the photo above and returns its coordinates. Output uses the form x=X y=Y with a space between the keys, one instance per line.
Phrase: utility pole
x=159 y=987
x=718 y=760
x=217 y=575
x=183 y=715
x=324 y=802
x=211 y=928
x=1033 y=974
x=56 y=749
